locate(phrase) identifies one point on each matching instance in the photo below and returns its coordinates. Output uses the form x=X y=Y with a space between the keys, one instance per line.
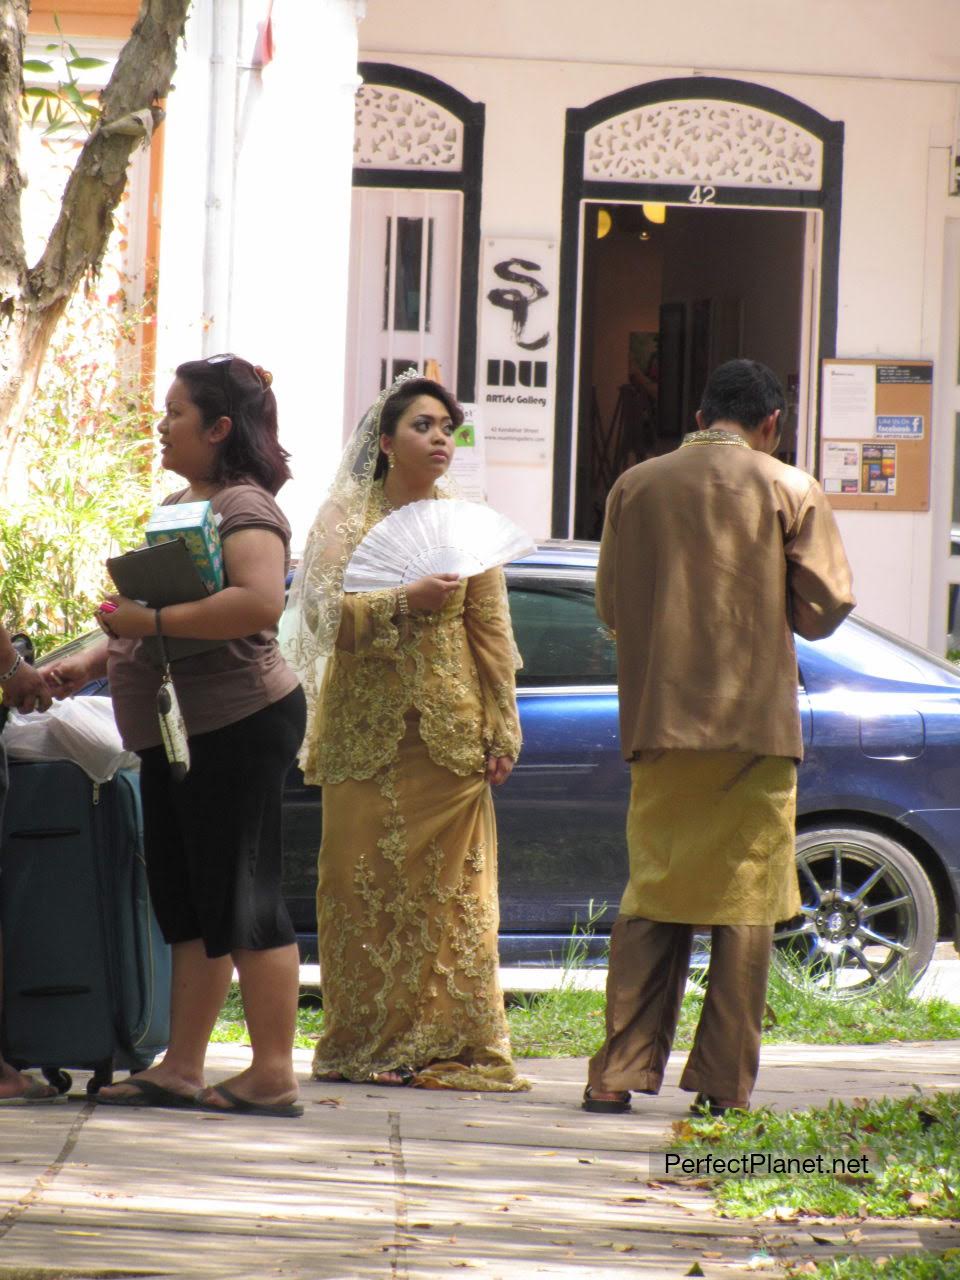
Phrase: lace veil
x=311 y=620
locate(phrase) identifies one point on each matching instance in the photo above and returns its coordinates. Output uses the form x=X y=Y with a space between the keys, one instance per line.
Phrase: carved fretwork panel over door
x=695 y=141
x=404 y=294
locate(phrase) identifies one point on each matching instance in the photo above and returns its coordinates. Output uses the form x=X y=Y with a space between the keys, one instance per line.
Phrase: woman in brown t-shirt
x=212 y=841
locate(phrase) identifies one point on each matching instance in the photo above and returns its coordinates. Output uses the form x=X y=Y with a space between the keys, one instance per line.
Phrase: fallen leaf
x=327 y=1102
x=820 y=1239
x=712 y=1253
x=562 y=1242
x=854 y=1236
x=807 y=1268
x=586 y=1160
x=918 y=1200
x=625 y=1248
x=695 y=1270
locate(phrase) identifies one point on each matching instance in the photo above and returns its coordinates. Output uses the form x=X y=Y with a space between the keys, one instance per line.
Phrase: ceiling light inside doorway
x=654 y=212
x=604 y=223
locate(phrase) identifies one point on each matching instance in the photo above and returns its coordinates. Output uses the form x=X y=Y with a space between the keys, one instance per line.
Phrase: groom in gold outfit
x=712 y=556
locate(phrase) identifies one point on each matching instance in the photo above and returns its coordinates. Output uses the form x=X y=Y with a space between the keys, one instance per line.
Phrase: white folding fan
x=423 y=538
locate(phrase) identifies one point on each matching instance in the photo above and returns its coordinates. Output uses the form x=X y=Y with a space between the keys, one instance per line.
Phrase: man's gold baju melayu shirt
x=712 y=556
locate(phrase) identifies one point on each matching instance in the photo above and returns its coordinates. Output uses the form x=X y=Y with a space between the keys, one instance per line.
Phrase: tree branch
x=140 y=79
x=13 y=266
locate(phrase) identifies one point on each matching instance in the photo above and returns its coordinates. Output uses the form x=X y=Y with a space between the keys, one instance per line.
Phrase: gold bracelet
x=403 y=605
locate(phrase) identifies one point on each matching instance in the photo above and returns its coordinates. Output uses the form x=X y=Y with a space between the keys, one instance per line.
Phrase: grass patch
x=568 y=1023
x=557 y=1024
x=908 y=1149
x=908 y=1266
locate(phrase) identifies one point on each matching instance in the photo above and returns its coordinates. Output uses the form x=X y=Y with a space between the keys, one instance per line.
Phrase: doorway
x=668 y=293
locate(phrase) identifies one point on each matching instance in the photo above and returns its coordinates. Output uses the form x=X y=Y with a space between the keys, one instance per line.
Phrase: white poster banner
x=468 y=467
x=518 y=340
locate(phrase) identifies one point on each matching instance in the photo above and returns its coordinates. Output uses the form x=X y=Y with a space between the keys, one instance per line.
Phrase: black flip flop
x=244 y=1107
x=606 y=1106
x=149 y=1095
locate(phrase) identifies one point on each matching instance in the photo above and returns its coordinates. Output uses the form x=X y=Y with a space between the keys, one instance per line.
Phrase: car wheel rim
x=857 y=925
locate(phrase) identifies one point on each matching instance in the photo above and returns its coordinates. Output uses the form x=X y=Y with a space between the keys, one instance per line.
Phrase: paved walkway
x=403 y=1184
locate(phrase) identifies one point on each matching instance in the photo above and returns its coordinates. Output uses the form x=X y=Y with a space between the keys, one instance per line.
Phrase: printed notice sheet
x=849 y=401
x=841 y=466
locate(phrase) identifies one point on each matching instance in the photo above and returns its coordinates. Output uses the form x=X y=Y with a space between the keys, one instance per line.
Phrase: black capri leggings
x=213 y=841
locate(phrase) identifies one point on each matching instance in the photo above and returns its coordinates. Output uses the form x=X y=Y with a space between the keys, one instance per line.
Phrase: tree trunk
x=32 y=299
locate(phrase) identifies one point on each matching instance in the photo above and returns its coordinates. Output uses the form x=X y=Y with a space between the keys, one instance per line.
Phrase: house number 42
x=702 y=195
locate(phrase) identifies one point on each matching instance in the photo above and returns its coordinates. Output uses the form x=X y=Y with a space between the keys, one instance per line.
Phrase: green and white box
x=196 y=524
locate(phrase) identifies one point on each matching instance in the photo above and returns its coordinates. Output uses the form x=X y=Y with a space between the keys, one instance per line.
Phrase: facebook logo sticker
x=900 y=427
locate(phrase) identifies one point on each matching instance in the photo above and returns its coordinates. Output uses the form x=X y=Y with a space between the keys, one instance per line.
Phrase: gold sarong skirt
x=711 y=838
x=407 y=921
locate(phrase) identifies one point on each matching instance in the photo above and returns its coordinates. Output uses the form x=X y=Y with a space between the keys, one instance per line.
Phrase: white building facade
x=573 y=213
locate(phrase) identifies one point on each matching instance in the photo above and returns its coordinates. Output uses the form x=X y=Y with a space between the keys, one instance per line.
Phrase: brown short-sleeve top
x=221 y=686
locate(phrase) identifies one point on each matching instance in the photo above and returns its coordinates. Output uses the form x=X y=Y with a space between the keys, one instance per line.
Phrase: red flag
x=263 y=50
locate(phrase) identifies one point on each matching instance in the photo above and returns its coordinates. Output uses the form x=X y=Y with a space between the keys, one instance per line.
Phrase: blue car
x=878 y=829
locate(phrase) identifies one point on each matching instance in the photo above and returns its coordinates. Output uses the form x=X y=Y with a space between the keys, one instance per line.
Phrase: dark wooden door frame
x=577 y=188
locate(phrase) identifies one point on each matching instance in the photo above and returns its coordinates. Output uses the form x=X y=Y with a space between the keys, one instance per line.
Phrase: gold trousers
x=649 y=962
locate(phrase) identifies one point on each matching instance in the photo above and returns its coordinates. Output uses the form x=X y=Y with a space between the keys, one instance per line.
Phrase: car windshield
x=863 y=647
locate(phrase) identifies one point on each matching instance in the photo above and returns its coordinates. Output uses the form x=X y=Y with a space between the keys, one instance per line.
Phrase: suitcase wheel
x=102 y=1075
x=61 y=1080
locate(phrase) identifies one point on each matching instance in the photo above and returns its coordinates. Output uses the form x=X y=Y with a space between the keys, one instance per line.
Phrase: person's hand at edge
x=499 y=769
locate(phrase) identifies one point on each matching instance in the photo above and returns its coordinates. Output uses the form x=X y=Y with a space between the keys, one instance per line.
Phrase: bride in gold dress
x=412 y=717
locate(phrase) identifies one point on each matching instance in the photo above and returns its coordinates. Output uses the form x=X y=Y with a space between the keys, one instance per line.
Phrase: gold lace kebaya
x=455 y=666
x=407 y=908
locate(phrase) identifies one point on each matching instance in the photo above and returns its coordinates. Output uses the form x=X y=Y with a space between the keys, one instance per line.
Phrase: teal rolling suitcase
x=86 y=974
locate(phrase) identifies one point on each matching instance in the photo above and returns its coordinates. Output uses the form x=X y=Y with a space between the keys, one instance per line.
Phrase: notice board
x=875 y=423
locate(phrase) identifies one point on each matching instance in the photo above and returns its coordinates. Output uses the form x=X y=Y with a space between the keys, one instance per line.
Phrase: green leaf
x=85 y=64
x=34 y=64
x=35 y=91
x=73 y=93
